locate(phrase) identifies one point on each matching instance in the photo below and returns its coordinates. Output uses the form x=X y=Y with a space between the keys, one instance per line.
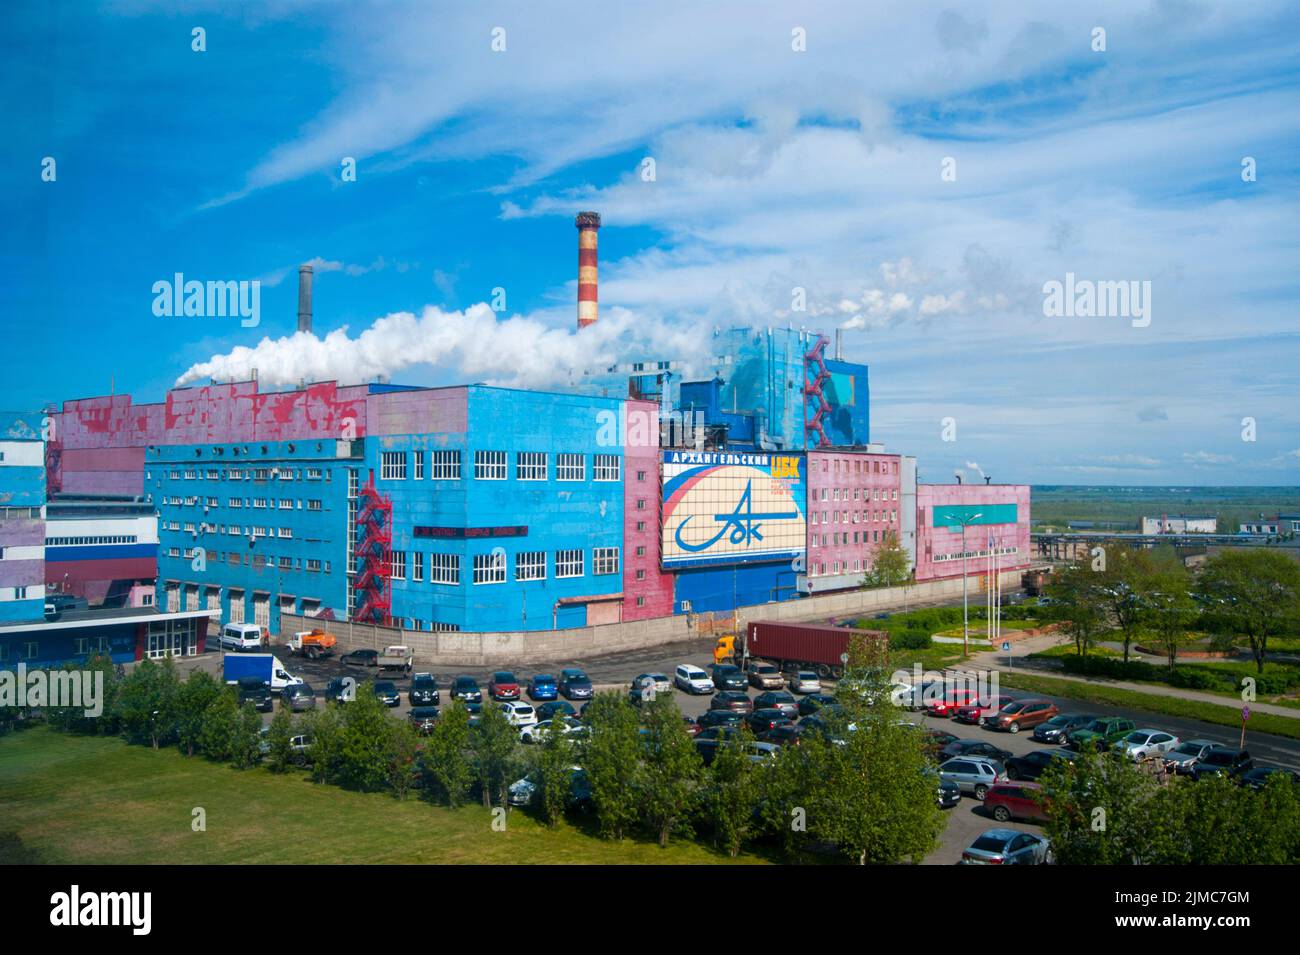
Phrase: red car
x=503 y=686
x=952 y=700
x=979 y=711
x=1014 y=800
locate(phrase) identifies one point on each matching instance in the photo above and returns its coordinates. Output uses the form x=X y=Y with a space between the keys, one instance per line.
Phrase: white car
x=519 y=714
x=1140 y=743
x=693 y=680
x=241 y=636
x=805 y=681
x=536 y=733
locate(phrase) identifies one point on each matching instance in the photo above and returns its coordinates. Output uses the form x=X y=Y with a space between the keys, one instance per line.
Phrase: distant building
x=1262 y=526
x=22 y=516
x=122 y=634
x=983 y=522
x=1182 y=524
x=100 y=548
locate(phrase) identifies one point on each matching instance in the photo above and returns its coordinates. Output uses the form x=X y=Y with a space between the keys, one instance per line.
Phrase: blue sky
x=775 y=169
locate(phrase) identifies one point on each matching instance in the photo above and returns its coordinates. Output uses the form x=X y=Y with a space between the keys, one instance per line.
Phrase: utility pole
x=965 y=610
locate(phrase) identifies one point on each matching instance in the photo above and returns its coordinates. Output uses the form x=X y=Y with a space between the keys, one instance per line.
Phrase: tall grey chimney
x=839 y=344
x=304 y=298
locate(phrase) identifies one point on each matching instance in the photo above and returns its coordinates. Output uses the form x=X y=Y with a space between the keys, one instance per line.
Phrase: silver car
x=1008 y=847
x=1187 y=754
x=1142 y=743
x=805 y=681
x=974 y=775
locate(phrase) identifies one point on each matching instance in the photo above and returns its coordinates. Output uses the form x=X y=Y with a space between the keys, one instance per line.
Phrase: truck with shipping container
x=313 y=644
x=265 y=667
x=1034 y=582
x=798 y=646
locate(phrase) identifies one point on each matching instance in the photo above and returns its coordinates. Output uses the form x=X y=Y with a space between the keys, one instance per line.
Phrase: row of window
x=859 y=517
x=256 y=561
x=841 y=538
x=92 y=539
x=493 y=568
x=872 y=466
x=838 y=567
x=256 y=503
x=494 y=466
x=859 y=494
x=20 y=513
x=244 y=474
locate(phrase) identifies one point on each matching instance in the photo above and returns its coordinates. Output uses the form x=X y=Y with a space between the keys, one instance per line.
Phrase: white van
x=241 y=636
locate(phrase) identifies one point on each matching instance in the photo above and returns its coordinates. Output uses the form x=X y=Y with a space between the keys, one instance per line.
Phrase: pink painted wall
x=868 y=505
x=641 y=454
x=932 y=541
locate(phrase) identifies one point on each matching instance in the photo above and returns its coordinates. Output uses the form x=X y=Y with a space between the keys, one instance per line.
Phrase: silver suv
x=974 y=776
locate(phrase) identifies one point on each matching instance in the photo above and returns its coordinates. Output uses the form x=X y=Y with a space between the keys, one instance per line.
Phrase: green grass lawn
x=87 y=800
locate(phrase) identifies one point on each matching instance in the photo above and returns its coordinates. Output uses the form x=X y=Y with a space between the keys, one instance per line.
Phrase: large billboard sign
x=728 y=507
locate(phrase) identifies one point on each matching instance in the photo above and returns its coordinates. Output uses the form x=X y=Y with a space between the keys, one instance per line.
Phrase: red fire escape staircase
x=815 y=377
x=373 y=555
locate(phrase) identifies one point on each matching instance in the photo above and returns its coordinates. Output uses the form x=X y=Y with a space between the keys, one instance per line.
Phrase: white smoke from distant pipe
x=515 y=352
x=976 y=468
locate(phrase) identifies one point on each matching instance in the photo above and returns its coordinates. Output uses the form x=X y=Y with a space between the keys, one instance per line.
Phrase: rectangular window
x=530 y=466
x=418 y=458
x=445 y=466
x=392 y=465
x=607 y=467
x=570 y=467
x=398 y=563
x=604 y=560
x=640 y=575
x=417 y=565
x=490 y=568
x=444 y=569
x=489 y=465
x=530 y=565
x=569 y=563
x=313 y=505
x=640 y=551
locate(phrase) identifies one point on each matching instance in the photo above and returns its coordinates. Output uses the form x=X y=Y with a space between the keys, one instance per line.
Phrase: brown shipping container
x=798 y=643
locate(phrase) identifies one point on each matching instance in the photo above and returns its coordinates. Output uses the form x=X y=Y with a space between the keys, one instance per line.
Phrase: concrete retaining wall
x=544 y=646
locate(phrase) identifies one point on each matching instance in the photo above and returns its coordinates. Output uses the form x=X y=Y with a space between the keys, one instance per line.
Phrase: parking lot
x=965 y=821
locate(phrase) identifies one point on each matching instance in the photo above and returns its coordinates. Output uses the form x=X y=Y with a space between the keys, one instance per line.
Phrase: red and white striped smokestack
x=587 y=223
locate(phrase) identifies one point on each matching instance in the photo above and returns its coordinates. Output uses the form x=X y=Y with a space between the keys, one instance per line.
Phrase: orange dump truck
x=313 y=644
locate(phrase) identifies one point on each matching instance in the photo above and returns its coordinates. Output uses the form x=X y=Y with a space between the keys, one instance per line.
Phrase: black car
x=423 y=718
x=386 y=693
x=973 y=747
x=340 y=689
x=466 y=688
x=360 y=658
x=252 y=690
x=1258 y=777
x=1221 y=761
x=786 y=734
x=1032 y=765
x=760 y=721
x=949 y=793
x=554 y=708
x=424 y=690
x=574 y=685
x=1058 y=729
x=737 y=700
x=778 y=700
x=716 y=718
x=813 y=702
x=708 y=741
x=727 y=676
x=300 y=696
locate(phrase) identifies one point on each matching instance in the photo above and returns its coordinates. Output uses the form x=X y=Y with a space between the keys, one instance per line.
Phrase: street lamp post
x=965 y=610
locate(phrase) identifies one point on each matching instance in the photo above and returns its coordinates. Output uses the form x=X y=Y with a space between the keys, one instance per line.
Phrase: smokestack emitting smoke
x=587 y=223
x=304 y=298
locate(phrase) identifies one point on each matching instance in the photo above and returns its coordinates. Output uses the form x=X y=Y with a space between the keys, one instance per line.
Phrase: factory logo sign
x=731 y=508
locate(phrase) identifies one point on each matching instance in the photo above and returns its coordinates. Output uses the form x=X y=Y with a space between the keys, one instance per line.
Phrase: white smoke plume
x=971 y=465
x=514 y=352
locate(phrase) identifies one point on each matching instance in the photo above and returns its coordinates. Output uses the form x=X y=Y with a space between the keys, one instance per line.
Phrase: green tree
x=671 y=770
x=731 y=801
x=1124 y=585
x=324 y=728
x=147 y=702
x=493 y=751
x=1254 y=592
x=246 y=742
x=366 y=734
x=892 y=564
x=403 y=745
x=279 y=741
x=612 y=758
x=99 y=670
x=1079 y=605
x=552 y=765
x=193 y=698
x=1168 y=608
x=218 y=726
x=445 y=754
x=1099 y=809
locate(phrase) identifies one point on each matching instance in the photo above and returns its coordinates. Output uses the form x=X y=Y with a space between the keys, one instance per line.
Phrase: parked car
x=691 y=679
x=783 y=734
x=805 y=681
x=947 y=704
x=974 y=776
x=503 y=686
x=735 y=700
x=947 y=792
x=1102 y=732
x=360 y=658
x=526 y=791
x=253 y=690
x=1187 y=754
x=298 y=697
x=1142 y=743
x=710 y=738
x=778 y=700
x=340 y=689
x=715 y=718
x=1223 y=761
x=554 y=708
x=518 y=713
x=574 y=684
x=933 y=741
x=423 y=718
x=1258 y=777
x=813 y=702
x=1007 y=847
x=728 y=676
x=1032 y=765
x=1057 y=730
x=764 y=675
x=659 y=681
x=760 y=721
x=978 y=711
x=466 y=689
x=1016 y=800
x=543 y=687
x=974 y=747
x=424 y=690
x=536 y=733
x=762 y=752
x=1022 y=715
x=238 y=637
x=692 y=728
x=386 y=691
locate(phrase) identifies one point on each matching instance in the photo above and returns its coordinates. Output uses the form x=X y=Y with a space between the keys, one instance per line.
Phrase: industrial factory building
x=628 y=495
